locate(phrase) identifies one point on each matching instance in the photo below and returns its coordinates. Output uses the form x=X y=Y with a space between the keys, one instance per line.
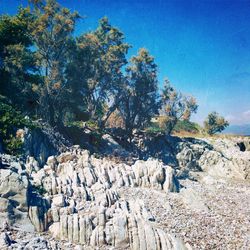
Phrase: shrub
x=115 y=120
x=10 y=121
x=155 y=128
x=39 y=190
x=166 y=123
x=187 y=126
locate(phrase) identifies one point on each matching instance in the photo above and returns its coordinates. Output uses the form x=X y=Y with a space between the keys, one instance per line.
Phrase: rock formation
x=76 y=197
x=80 y=199
x=86 y=207
x=14 y=193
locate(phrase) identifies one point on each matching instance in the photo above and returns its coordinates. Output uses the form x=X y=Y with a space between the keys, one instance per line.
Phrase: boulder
x=32 y=165
x=14 y=192
x=153 y=173
x=44 y=141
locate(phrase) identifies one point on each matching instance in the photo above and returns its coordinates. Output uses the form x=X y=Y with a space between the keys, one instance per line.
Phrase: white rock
x=58 y=201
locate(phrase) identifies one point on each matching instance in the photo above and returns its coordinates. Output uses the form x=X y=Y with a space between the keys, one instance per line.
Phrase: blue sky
x=203 y=47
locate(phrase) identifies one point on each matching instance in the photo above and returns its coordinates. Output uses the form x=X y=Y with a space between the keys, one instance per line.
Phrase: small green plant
x=92 y=124
x=39 y=189
x=13 y=145
x=154 y=129
x=78 y=124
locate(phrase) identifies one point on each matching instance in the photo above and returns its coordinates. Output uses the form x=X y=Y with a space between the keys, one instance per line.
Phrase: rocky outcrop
x=76 y=197
x=226 y=160
x=86 y=207
x=14 y=192
x=43 y=141
x=74 y=172
x=219 y=157
x=20 y=205
x=80 y=199
x=123 y=225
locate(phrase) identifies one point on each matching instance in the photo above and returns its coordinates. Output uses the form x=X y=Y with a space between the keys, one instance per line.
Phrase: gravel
x=225 y=224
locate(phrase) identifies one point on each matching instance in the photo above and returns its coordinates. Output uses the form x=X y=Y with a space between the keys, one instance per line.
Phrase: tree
x=215 y=123
x=175 y=106
x=95 y=72
x=139 y=101
x=18 y=70
x=51 y=33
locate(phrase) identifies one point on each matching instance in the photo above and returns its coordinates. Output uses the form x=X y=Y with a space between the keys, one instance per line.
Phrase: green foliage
x=92 y=124
x=154 y=129
x=18 y=70
x=10 y=121
x=51 y=33
x=39 y=189
x=78 y=124
x=95 y=71
x=187 y=126
x=139 y=102
x=13 y=145
x=14 y=30
x=215 y=123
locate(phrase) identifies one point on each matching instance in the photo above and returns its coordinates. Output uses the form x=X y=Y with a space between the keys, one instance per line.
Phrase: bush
x=155 y=128
x=39 y=190
x=10 y=121
x=163 y=124
x=187 y=126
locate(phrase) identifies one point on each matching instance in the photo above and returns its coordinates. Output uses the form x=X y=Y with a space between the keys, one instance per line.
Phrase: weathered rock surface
x=220 y=158
x=14 y=188
x=43 y=142
x=85 y=203
x=5 y=240
x=226 y=160
x=78 y=201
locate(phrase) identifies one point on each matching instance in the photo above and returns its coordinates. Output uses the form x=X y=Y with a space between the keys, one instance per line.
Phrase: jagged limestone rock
x=226 y=160
x=85 y=204
x=127 y=227
x=14 y=192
